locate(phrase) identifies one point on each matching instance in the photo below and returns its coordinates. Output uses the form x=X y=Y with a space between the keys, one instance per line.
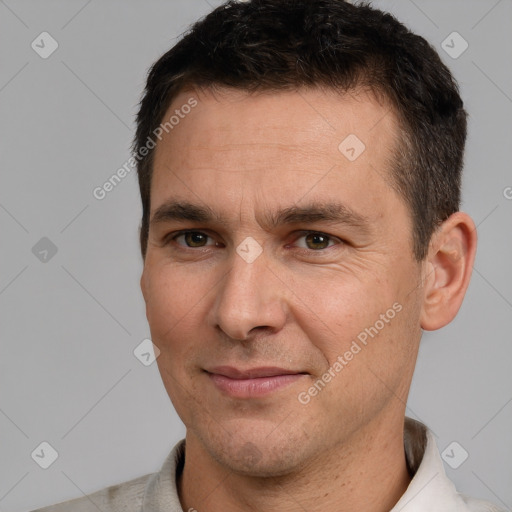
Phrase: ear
x=447 y=270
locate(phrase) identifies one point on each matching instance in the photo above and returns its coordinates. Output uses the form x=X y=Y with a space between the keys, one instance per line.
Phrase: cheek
x=173 y=296
x=176 y=301
x=338 y=307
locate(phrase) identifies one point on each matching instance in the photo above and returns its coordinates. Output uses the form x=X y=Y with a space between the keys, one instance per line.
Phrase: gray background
x=70 y=324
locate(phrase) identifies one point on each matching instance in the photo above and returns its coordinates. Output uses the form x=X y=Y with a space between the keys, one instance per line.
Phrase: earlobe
x=447 y=270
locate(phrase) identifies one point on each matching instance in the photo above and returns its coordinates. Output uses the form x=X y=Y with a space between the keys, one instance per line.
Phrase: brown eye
x=316 y=241
x=195 y=239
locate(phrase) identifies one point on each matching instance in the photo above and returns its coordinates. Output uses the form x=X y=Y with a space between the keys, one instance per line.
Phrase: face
x=280 y=282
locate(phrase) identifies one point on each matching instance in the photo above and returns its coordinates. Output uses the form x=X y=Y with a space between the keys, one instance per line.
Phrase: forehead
x=305 y=122
x=267 y=146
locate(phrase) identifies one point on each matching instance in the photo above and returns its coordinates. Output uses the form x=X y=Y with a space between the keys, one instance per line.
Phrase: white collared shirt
x=430 y=490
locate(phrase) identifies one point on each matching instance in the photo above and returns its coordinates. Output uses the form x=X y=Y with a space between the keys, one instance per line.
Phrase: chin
x=266 y=455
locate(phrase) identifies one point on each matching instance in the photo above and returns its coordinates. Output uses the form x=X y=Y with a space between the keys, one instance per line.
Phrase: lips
x=252 y=382
x=251 y=373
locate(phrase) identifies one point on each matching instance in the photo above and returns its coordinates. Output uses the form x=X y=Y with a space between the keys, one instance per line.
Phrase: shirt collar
x=430 y=489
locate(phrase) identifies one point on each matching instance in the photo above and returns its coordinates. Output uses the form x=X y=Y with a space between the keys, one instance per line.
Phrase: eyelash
x=174 y=236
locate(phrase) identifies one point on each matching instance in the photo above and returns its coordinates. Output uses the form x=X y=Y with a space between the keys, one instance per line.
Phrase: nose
x=251 y=298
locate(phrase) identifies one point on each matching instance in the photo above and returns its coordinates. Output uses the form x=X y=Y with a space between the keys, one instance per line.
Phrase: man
x=299 y=165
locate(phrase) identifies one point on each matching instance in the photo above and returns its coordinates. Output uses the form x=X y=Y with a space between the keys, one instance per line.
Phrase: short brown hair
x=288 y=44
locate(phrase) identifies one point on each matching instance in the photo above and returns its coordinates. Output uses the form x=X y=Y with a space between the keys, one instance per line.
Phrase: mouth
x=252 y=382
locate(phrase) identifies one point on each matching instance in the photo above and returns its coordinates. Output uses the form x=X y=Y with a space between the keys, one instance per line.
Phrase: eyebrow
x=317 y=212
x=175 y=210
x=183 y=211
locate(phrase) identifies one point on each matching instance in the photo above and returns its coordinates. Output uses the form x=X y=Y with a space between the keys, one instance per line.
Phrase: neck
x=367 y=472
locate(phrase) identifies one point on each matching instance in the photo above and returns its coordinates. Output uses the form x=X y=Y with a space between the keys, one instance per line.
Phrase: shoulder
x=125 y=497
x=430 y=487
x=151 y=492
x=474 y=505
